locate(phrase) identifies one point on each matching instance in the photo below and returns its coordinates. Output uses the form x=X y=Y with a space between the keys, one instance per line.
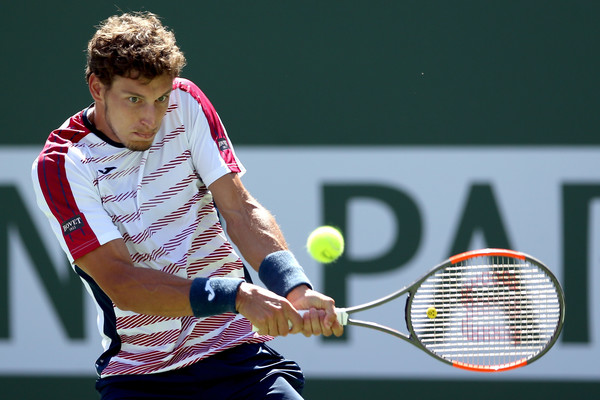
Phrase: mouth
x=145 y=135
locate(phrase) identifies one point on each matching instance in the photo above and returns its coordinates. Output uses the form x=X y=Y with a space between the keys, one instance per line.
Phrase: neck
x=91 y=115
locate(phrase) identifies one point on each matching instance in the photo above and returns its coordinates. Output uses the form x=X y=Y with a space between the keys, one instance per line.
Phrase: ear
x=97 y=88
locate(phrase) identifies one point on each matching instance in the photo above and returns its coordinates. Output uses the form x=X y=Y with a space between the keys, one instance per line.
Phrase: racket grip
x=342 y=317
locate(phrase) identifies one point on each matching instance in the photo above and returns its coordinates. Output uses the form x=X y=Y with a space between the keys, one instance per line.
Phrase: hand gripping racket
x=484 y=310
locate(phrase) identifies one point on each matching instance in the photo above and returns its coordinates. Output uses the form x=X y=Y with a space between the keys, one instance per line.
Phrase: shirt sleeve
x=66 y=195
x=212 y=152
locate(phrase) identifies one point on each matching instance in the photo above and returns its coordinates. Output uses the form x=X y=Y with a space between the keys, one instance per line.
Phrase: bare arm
x=256 y=233
x=251 y=227
x=152 y=292
x=143 y=290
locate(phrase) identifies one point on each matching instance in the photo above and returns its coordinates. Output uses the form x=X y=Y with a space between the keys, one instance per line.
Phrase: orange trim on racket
x=476 y=368
x=486 y=252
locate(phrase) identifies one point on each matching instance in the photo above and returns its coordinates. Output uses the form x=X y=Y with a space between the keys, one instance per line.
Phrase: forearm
x=250 y=226
x=131 y=288
x=151 y=292
x=255 y=233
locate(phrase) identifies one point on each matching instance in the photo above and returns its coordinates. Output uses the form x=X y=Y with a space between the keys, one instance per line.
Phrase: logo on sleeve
x=222 y=143
x=72 y=224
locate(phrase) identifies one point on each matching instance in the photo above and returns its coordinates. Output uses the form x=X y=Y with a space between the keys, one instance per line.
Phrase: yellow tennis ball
x=431 y=312
x=325 y=244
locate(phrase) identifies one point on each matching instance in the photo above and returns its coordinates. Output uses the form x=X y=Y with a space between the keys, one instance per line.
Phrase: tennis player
x=133 y=186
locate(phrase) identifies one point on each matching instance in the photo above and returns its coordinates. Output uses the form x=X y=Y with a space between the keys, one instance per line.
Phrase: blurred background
x=420 y=128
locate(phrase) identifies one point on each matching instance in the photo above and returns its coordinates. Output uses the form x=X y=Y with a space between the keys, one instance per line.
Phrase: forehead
x=143 y=86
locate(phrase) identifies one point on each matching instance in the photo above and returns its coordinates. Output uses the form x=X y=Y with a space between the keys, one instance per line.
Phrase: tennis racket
x=485 y=310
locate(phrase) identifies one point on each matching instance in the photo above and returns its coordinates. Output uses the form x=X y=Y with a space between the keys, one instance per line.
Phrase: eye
x=133 y=99
x=163 y=98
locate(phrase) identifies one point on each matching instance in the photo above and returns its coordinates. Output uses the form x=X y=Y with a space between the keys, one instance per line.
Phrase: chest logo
x=106 y=170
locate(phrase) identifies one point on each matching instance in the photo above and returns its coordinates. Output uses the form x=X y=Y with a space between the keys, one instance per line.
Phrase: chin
x=138 y=146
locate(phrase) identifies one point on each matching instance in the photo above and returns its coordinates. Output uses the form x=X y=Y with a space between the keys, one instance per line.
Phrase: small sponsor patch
x=72 y=224
x=222 y=143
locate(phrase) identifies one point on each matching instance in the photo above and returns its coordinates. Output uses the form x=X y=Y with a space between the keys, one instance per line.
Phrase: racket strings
x=490 y=312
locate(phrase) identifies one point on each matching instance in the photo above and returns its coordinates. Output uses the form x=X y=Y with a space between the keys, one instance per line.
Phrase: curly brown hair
x=133 y=45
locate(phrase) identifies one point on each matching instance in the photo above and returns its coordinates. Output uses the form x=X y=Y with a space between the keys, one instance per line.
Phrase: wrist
x=212 y=296
x=281 y=273
x=244 y=295
x=298 y=292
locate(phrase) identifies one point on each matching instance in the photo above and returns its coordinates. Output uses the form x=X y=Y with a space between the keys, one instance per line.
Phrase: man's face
x=131 y=110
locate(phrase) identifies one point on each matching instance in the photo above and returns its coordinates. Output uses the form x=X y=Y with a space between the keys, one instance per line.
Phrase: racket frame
x=344 y=314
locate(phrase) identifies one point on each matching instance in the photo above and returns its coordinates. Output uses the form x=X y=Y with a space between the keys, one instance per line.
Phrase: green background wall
x=338 y=73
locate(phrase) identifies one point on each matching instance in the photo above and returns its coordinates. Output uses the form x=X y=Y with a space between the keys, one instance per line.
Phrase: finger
x=330 y=318
x=326 y=324
x=273 y=329
x=315 y=321
x=337 y=328
x=307 y=324
x=289 y=320
x=264 y=330
x=261 y=326
x=293 y=319
x=283 y=325
x=295 y=322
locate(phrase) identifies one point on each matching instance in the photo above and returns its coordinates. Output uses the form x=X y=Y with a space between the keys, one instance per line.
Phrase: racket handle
x=342 y=317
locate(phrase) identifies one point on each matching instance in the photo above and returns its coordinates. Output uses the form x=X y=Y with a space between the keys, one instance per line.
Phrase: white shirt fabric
x=94 y=190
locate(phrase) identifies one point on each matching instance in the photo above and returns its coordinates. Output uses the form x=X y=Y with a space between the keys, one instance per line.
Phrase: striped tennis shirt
x=94 y=190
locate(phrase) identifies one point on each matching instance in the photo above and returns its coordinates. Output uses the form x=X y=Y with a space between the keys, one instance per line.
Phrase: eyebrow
x=134 y=94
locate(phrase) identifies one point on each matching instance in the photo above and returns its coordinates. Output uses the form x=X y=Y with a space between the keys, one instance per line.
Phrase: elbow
x=123 y=292
x=122 y=300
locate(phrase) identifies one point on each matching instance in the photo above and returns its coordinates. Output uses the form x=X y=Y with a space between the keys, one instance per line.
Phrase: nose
x=149 y=116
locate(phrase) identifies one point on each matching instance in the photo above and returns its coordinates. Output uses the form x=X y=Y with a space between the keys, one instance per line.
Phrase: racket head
x=486 y=310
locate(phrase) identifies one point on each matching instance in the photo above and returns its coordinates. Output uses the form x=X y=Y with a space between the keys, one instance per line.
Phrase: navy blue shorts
x=248 y=371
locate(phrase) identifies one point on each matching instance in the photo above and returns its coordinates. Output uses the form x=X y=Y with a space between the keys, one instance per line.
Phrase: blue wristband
x=212 y=296
x=281 y=272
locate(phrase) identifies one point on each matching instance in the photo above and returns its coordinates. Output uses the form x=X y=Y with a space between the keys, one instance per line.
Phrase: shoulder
x=186 y=86
x=67 y=145
x=71 y=133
